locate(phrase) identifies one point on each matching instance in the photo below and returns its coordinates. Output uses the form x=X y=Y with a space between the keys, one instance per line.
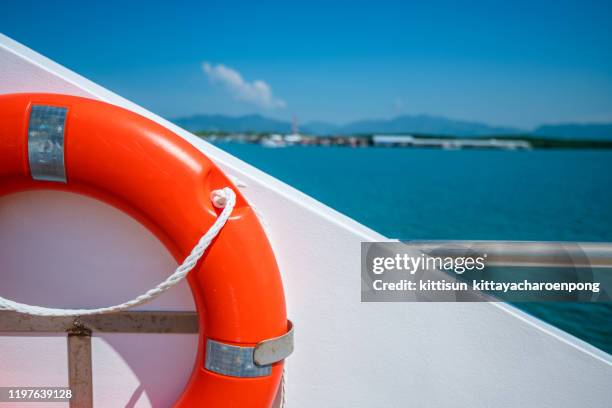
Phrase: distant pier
x=450 y=144
x=407 y=141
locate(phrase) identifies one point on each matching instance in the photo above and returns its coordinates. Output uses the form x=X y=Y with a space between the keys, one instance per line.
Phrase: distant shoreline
x=508 y=142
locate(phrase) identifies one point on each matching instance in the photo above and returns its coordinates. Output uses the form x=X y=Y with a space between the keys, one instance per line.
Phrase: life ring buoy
x=75 y=144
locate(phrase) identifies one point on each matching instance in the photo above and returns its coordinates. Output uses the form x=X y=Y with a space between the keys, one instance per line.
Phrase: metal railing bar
x=524 y=253
x=80 y=378
x=122 y=322
x=79 y=330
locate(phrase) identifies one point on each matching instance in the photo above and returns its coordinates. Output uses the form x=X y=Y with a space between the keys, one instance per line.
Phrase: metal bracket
x=248 y=362
x=79 y=330
x=273 y=350
x=226 y=359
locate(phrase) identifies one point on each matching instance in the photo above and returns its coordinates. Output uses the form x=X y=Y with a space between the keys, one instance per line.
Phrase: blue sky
x=518 y=63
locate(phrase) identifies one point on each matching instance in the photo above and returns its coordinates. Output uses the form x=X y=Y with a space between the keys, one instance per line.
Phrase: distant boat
x=273 y=141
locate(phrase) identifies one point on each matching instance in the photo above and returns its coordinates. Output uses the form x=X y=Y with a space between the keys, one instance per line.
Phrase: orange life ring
x=164 y=182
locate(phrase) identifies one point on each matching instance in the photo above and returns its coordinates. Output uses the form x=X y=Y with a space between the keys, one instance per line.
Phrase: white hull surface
x=64 y=250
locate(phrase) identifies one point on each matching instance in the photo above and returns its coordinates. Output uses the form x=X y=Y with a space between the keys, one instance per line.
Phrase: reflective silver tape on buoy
x=234 y=361
x=46 y=143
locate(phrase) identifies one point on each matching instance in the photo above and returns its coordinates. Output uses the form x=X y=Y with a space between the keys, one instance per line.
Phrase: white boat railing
x=524 y=253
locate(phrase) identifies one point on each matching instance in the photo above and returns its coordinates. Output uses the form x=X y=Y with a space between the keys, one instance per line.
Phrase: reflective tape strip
x=46 y=143
x=234 y=361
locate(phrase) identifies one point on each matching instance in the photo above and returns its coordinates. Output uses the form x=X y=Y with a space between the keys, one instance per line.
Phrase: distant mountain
x=426 y=124
x=223 y=123
x=401 y=124
x=419 y=124
x=576 y=131
x=320 y=128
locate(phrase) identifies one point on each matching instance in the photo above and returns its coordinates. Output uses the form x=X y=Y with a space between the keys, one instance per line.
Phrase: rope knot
x=220 y=197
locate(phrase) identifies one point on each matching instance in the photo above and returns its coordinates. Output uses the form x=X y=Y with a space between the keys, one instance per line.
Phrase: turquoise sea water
x=549 y=195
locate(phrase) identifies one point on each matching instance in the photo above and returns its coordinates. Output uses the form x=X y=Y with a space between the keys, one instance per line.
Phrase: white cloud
x=257 y=92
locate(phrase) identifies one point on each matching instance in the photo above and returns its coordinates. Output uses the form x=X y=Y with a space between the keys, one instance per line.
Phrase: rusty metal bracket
x=79 y=330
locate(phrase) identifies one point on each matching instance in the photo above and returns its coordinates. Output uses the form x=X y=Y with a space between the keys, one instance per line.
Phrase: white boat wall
x=63 y=250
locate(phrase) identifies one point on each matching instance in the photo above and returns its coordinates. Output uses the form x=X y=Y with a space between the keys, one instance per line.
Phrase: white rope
x=284 y=397
x=224 y=198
